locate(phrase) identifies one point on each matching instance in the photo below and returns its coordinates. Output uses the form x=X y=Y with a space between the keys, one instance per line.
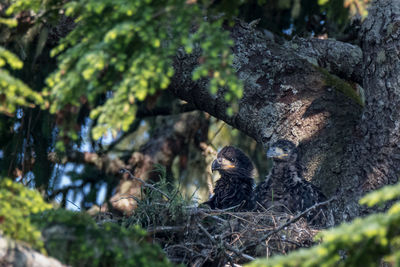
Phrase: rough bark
x=342 y=59
x=373 y=158
x=285 y=96
x=293 y=91
x=15 y=254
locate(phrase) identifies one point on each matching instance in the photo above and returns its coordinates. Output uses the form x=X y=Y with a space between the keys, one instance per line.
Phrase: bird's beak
x=219 y=164
x=276 y=152
x=215 y=166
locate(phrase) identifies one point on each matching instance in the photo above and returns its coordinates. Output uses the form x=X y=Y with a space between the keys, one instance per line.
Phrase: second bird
x=285 y=189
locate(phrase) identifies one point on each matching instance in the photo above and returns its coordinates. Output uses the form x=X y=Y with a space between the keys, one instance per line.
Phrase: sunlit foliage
x=17 y=203
x=363 y=242
x=123 y=51
x=14 y=92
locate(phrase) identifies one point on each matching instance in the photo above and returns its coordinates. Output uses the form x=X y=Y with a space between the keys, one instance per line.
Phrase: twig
x=66 y=189
x=238 y=252
x=193 y=211
x=215 y=217
x=226 y=245
x=207 y=233
x=211 y=211
x=213 y=241
x=293 y=220
x=239 y=218
x=227 y=209
x=216 y=133
x=67 y=200
x=185 y=248
x=73 y=204
x=293 y=242
x=146 y=184
x=159 y=229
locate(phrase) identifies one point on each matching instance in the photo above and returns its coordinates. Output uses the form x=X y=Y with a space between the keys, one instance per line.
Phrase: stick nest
x=199 y=236
x=221 y=237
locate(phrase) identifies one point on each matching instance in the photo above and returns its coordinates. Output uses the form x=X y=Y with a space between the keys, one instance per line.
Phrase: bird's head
x=231 y=160
x=282 y=151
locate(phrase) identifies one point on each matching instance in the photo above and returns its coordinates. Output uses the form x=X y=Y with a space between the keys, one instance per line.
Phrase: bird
x=285 y=189
x=235 y=186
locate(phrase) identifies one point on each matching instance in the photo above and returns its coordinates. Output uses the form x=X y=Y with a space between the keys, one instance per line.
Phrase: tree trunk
x=306 y=91
x=373 y=157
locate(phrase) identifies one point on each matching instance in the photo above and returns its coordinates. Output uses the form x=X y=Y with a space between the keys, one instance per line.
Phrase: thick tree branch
x=341 y=59
x=285 y=96
x=290 y=92
x=277 y=80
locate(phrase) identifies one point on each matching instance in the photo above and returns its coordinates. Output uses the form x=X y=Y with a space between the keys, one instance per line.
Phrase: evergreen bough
x=17 y=203
x=75 y=239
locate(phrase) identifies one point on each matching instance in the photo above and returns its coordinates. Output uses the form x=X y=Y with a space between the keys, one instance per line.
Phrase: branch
x=280 y=85
x=293 y=220
x=144 y=113
x=204 y=230
x=226 y=245
x=238 y=252
x=65 y=189
x=339 y=58
x=214 y=242
x=162 y=229
x=102 y=162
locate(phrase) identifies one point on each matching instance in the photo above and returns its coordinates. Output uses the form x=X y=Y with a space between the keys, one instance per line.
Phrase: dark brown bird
x=235 y=187
x=285 y=189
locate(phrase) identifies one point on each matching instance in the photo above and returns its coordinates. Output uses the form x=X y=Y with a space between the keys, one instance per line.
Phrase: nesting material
x=206 y=236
